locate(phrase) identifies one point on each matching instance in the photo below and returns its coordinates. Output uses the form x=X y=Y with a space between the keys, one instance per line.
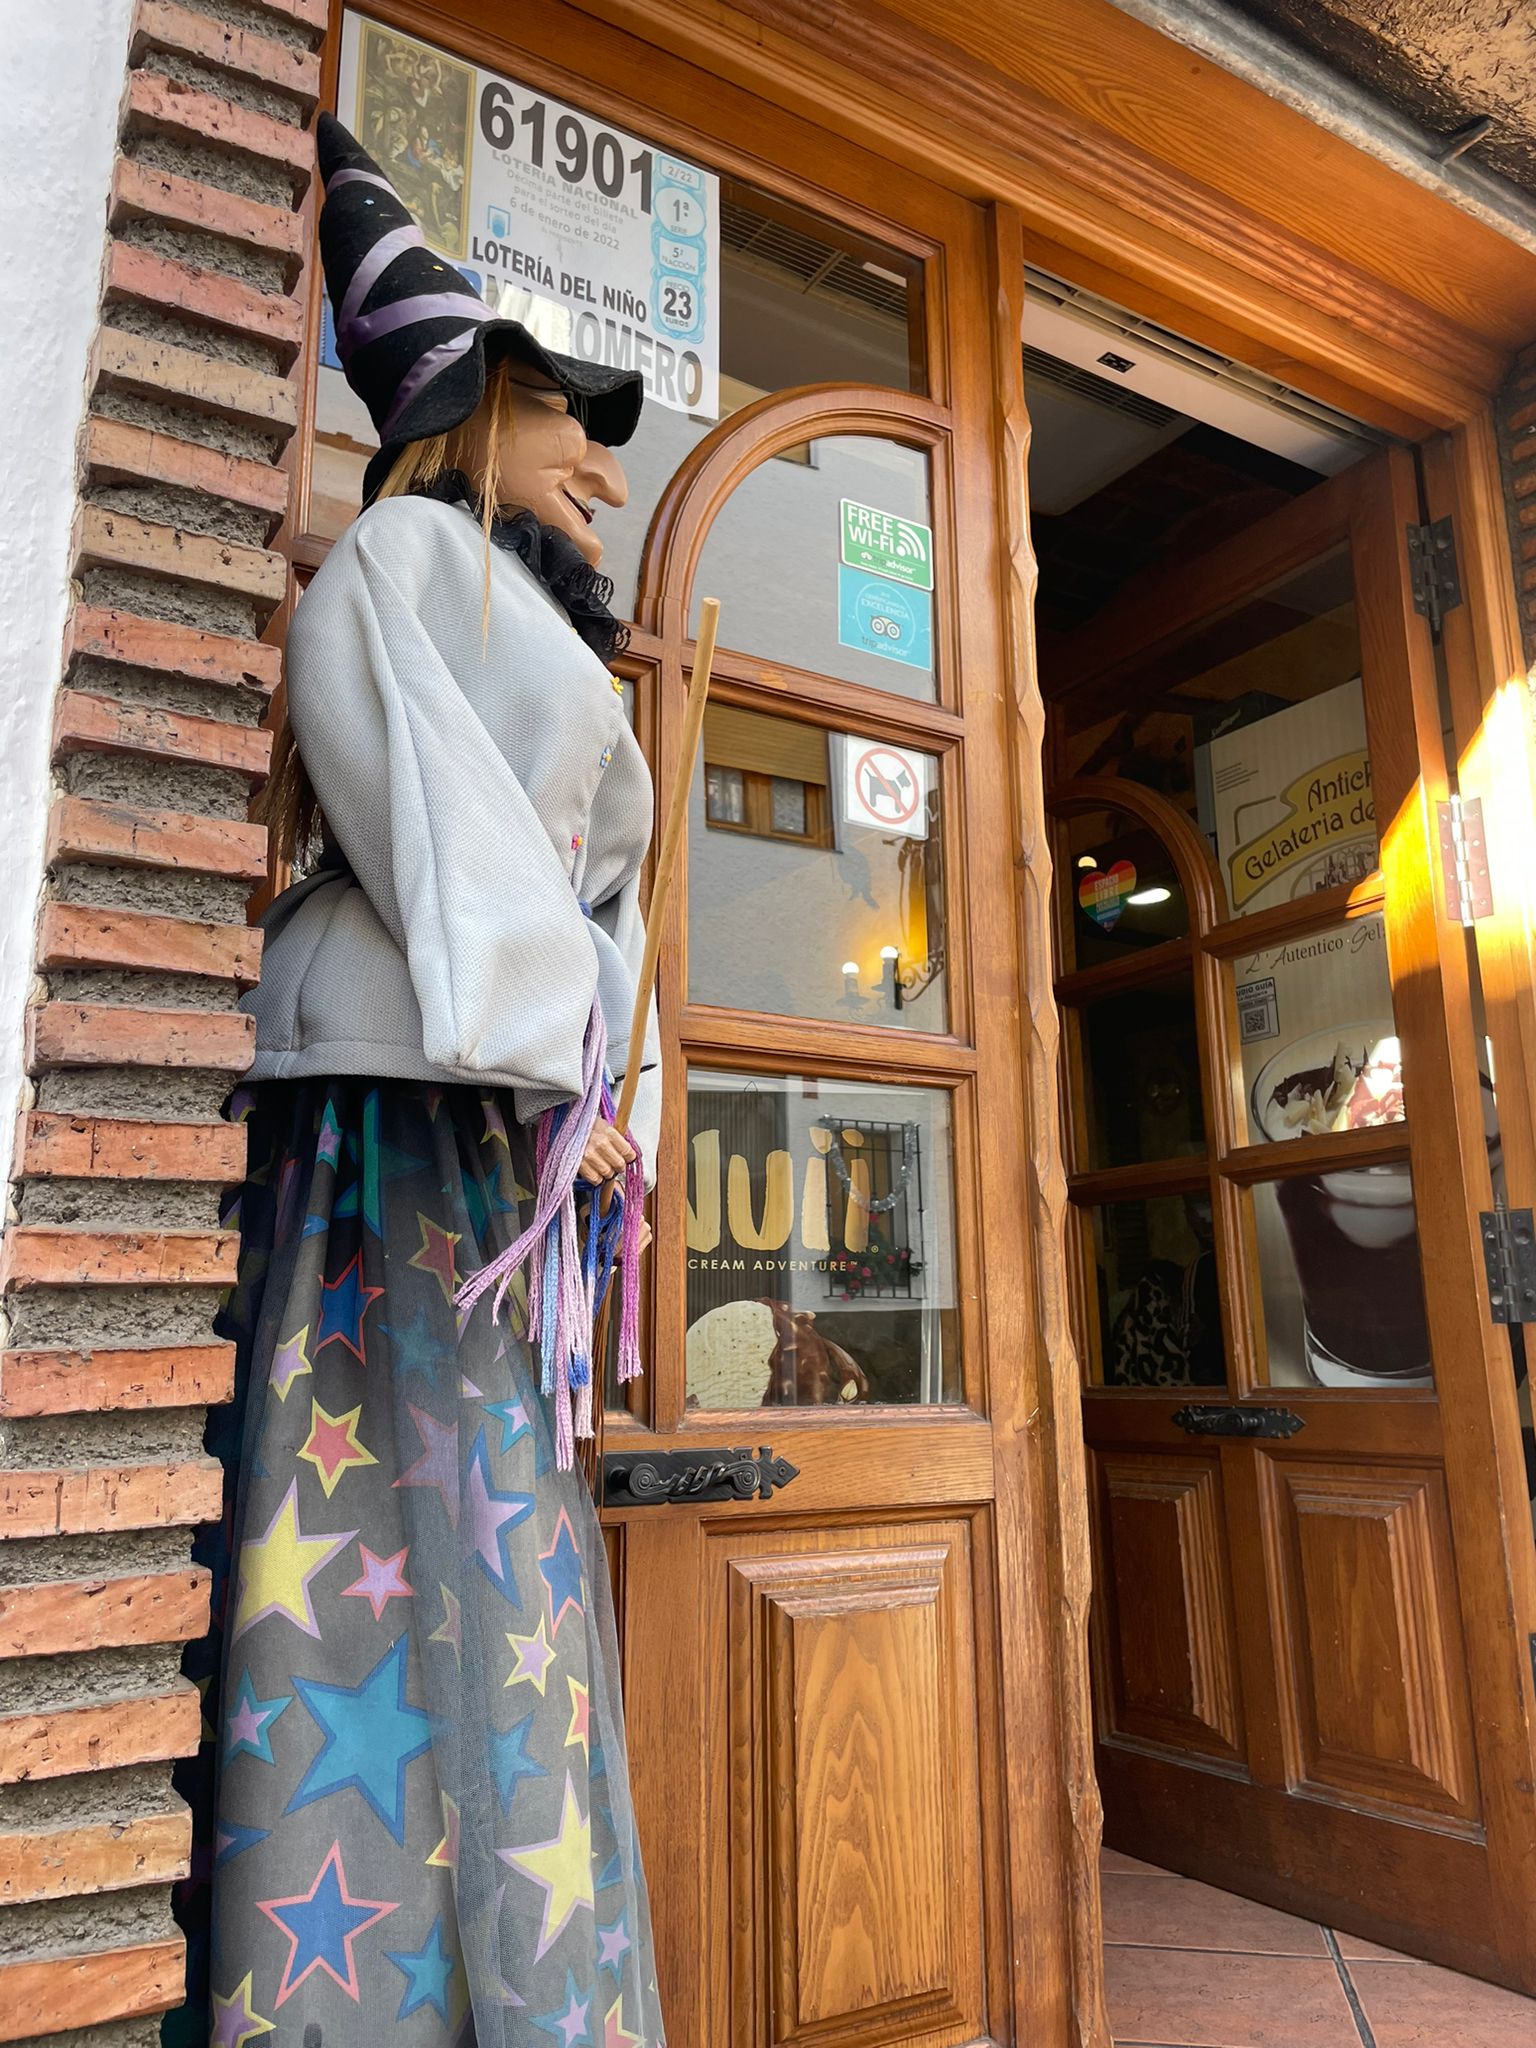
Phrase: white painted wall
x=65 y=74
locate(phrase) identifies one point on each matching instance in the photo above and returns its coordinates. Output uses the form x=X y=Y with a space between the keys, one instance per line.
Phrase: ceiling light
x=1087 y=860
x=1144 y=897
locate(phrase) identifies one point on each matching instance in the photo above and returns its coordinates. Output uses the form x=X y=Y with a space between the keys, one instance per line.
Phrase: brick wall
x=113 y=1260
x=1517 y=436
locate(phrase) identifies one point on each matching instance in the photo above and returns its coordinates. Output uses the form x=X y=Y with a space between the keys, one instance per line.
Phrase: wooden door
x=824 y=1653
x=825 y=1503
x=1311 y=1542
x=851 y=1619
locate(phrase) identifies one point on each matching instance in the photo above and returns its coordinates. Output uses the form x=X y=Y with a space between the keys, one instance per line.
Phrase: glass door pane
x=821 y=1243
x=816 y=874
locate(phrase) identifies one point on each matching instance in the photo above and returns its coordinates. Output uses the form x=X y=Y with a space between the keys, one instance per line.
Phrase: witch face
x=549 y=465
x=546 y=465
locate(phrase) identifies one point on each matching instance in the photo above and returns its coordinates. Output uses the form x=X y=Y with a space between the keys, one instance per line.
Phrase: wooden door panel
x=1374 y=1690
x=1166 y=1644
x=847 y=1711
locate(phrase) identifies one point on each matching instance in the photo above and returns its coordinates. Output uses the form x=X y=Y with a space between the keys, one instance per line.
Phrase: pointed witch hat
x=414 y=337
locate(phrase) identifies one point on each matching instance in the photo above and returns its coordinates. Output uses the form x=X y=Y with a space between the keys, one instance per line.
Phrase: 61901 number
x=578 y=151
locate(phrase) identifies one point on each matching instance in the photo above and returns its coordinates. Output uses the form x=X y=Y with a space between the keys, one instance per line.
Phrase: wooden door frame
x=1047 y=1961
x=1409 y=383
x=1143 y=195
x=1371 y=507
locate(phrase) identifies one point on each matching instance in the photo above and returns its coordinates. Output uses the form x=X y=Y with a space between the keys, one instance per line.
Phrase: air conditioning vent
x=1043 y=369
x=789 y=254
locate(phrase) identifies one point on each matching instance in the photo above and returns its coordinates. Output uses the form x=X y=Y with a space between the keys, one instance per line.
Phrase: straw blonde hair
x=287 y=804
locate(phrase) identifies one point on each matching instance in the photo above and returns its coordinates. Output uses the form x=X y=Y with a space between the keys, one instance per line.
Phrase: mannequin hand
x=608 y=1153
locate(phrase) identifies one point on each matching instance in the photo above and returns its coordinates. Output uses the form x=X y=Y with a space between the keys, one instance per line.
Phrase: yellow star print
x=535 y=1654
x=563 y=1866
x=275 y=1569
x=234 y=2019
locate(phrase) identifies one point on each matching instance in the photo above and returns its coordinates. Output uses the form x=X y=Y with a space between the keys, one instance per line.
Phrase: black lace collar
x=582 y=591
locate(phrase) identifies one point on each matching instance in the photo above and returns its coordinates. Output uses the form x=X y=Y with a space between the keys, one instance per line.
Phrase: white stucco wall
x=64 y=77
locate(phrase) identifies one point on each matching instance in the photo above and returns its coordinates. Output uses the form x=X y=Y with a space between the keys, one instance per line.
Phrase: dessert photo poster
x=1338 y=1252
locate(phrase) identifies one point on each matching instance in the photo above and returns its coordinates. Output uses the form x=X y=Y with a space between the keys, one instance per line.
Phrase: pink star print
x=383 y=1580
x=438 y=1464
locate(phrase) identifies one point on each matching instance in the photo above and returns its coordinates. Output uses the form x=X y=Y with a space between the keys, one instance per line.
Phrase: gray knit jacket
x=484 y=787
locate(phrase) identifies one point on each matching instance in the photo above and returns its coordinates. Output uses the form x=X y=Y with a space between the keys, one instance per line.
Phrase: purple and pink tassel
x=568 y=1279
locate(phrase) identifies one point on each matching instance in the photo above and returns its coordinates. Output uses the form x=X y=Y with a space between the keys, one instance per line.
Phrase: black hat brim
x=607 y=401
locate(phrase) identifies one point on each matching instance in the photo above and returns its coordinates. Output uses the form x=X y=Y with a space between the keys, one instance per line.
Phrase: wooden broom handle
x=590 y=1449
x=666 y=858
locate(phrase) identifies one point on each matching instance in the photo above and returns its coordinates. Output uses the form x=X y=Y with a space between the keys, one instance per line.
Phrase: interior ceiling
x=1181 y=499
x=1442 y=64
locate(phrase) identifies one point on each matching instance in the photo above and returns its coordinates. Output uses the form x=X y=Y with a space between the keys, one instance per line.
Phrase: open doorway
x=1293 y=1692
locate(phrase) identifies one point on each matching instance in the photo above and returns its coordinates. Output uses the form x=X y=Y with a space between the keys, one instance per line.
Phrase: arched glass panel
x=823 y=559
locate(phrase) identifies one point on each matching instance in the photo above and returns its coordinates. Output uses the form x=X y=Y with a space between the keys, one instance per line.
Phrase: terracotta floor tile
x=1227 y=2001
x=1115 y=1859
x=1354 y=1948
x=1419 y=2006
x=1177 y=1912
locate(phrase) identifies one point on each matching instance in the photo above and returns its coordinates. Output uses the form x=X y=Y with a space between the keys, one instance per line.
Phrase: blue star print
x=510 y=1761
x=427 y=1972
x=371 y=1735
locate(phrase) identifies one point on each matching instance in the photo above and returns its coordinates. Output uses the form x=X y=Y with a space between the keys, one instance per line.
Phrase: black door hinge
x=1433 y=571
x=1509 y=1255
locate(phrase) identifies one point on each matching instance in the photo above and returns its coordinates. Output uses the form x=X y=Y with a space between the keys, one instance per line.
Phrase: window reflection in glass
x=1159 y=1293
x=776 y=559
x=820 y=1229
x=815 y=876
x=1141 y=1063
x=1340 y=1276
x=1252 y=724
x=1119 y=890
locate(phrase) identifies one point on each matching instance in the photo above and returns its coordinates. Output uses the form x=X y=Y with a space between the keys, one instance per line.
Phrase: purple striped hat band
x=372 y=268
x=431 y=365
x=405 y=313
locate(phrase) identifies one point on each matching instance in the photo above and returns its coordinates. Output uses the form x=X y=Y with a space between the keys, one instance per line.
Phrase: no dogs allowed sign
x=885 y=787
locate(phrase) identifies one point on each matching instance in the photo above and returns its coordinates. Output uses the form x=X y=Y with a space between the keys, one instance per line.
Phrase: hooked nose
x=601 y=475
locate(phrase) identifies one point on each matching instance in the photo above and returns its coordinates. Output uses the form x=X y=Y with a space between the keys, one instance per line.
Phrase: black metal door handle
x=1222 y=1419
x=654 y=1478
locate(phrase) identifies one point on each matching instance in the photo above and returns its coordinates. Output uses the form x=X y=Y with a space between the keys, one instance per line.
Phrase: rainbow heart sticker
x=1103 y=895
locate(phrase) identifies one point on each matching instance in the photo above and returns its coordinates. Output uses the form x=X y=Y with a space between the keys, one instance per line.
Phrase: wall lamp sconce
x=906 y=988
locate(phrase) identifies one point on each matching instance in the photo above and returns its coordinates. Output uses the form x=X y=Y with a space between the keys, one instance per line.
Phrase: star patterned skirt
x=413 y=1796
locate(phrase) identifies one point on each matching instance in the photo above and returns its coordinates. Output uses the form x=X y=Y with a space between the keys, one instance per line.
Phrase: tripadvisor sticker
x=882 y=618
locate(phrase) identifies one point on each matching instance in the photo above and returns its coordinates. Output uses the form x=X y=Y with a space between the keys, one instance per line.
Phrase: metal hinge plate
x=1509 y=1257
x=1464 y=859
x=1433 y=570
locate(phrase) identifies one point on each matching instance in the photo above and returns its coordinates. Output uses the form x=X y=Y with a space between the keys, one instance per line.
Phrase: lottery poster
x=606 y=247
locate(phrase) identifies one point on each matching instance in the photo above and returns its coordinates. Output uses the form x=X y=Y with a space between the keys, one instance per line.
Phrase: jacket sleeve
x=440 y=833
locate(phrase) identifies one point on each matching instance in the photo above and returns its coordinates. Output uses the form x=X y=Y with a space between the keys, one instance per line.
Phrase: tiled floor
x=1189 y=1967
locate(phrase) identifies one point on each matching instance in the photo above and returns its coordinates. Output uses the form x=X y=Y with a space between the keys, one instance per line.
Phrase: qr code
x=1258 y=1013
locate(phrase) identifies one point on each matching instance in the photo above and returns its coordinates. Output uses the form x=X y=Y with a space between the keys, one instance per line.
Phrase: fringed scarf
x=570 y=1249
x=578 y=1233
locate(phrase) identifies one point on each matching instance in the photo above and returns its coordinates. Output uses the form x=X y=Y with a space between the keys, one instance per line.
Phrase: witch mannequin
x=422 y=1827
